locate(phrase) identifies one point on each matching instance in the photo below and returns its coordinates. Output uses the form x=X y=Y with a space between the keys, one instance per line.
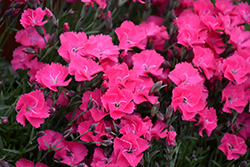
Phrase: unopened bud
x=71 y=93
x=160 y=116
x=92 y=127
x=9 y=12
x=108 y=130
x=4 y=120
x=40 y=134
x=169 y=112
x=17 y=5
x=29 y=50
x=52 y=110
x=4 y=164
x=32 y=4
x=243 y=164
x=67 y=132
x=156 y=87
x=39 y=30
x=51 y=18
x=66 y=27
x=147 y=4
x=98 y=13
x=80 y=86
x=107 y=142
x=91 y=104
x=52 y=39
x=82 y=165
x=35 y=86
x=156 y=164
x=109 y=24
x=155 y=109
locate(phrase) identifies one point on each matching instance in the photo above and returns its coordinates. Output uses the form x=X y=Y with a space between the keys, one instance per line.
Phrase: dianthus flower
x=99 y=159
x=232 y=146
x=97 y=112
x=185 y=74
x=208 y=120
x=190 y=99
x=130 y=35
x=84 y=69
x=118 y=102
x=236 y=69
x=52 y=76
x=147 y=61
x=72 y=153
x=51 y=139
x=27 y=163
x=32 y=17
x=156 y=131
x=101 y=47
x=72 y=45
x=234 y=95
x=129 y=150
x=33 y=108
x=171 y=137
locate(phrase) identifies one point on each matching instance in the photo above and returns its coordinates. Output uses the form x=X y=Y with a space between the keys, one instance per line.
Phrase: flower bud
x=29 y=50
x=82 y=165
x=147 y=4
x=169 y=112
x=91 y=104
x=9 y=12
x=35 y=86
x=67 y=132
x=4 y=120
x=109 y=24
x=32 y=4
x=243 y=164
x=71 y=93
x=66 y=27
x=40 y=134
x=52 y=110
x=160 y=116
x=51 y=18
x=80 y=86
x=4 y=164
x=39 y=30
x=52 y=39
x=156 y=87
x=92 y=127
x=107 y=142
x=155 y=109
x=108 y=130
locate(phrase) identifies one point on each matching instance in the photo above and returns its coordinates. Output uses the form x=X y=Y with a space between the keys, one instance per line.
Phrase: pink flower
x=32 y=17
x=101 y=47
x=129 y=150
x=142 y=89
x=147 y=61
x=30 y=37
x=50 y=138
x=244 y=10
x=239 y=37
x=225 y=6
x=191 y=30
x=234 y=95
x=72 y=45
x=118 y=102
x=208 y=120
x=52 y=76
x=232 y=146
x=133 y=123
x=171 y=137
x=92 y=136
x=72 y=153
x=100 y=160
x=102 y=3
x=84 y=69
x=97 y=112
x=204 y=7
x=33 y=108
x=27 y=163
x=156 y=131
x=185 y=74
x=236 y=69
x=215 y=42
x=20 y=59
x=243 y=121
x=190 y=99
x=204 y=58
x=130 y=35
x=35 y=66
x=120 y=76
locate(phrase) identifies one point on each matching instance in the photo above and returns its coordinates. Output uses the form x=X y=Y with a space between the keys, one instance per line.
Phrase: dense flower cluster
x=127 y=76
